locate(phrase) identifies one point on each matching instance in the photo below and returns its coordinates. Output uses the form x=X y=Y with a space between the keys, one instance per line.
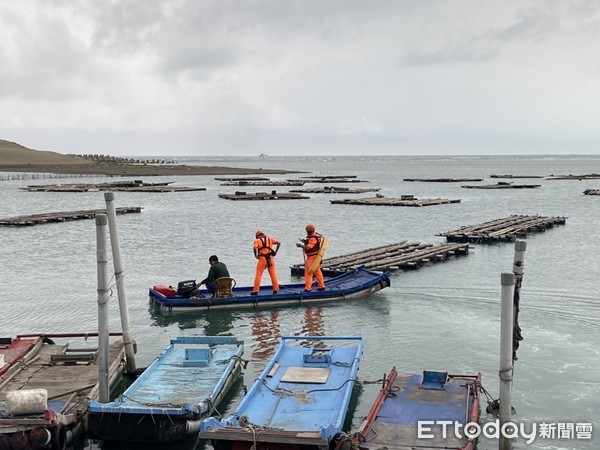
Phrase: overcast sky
x=211 y=77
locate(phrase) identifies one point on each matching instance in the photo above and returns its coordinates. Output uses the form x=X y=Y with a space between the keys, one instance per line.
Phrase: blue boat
x=300 y=399
x=355 y=283
x=169 y=399
x=410 y=410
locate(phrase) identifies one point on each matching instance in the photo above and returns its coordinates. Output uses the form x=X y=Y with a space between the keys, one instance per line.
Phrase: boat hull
x=67 y=371
x=356 y=283
x=169 y=399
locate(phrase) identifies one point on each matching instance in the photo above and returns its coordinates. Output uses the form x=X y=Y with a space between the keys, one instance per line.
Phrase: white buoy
x=103 y=296
x=506 y=354
x=120 y=277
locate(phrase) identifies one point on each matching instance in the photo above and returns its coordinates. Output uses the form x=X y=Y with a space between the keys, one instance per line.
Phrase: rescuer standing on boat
x=265 y=249
x=312 y=249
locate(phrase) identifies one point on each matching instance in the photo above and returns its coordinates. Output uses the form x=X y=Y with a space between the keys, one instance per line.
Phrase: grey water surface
x=444 y=316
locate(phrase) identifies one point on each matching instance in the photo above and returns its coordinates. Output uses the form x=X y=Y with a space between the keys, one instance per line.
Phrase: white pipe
x=506 y=361
x=519 y=261
x=120 y=277
x=103 y=295
x=518 y=269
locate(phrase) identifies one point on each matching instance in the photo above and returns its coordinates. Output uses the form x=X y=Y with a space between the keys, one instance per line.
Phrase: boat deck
x=169 y=384
x=302 y=395
x=393 y=423
x=68 y=374
x=356 y=283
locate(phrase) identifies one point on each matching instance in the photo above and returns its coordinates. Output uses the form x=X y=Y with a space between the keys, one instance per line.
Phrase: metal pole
x=120 y=277
x=103 y=295
x=506 y=361
x=518 y=268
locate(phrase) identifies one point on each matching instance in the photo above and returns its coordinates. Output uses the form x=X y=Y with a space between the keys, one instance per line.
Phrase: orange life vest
x=266 y=249
x=315 y=249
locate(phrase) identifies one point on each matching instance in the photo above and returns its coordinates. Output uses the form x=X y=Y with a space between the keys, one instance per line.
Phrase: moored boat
x=167 y=401
x=45 y=383
x=300 y=399
x=411 y=409
x=355 y=283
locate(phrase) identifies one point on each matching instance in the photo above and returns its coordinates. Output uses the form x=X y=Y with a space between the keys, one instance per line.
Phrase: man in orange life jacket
x=311 y=246
x=265 y=249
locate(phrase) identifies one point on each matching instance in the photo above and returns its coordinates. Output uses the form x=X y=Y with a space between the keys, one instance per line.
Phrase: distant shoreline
x=134 y=169
x=16 y=158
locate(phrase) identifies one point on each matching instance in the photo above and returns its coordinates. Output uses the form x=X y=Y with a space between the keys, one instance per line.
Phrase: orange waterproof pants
x=261 y=265
x=318 y=273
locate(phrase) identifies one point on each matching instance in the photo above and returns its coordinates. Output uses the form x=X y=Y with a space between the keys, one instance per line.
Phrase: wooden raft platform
x=592 y=192
x=264 y=183
x=589 y=176
x=516 y=176
x=263 y=196
x=506 y=229
x=388 y=258
x=405 y=200
x=335 y=190
x=120 y=186
x=502 y=185
x=334 y=180
x=242 y=179
x=36 y=219
x=329 y=177
x=443 y=180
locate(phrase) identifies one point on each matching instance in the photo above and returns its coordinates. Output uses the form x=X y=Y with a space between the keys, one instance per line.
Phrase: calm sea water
x=444 y=316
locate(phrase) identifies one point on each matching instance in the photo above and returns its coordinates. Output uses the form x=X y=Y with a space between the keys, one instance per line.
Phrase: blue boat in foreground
x=355 y=283
x=300 y=399
x=406 y=400
x=169 y=399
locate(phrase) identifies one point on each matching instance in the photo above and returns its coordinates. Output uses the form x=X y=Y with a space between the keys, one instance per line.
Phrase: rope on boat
x=381 y=380
x=493 y=406
x=278 y=391
x=234 y=357
x=255 y=429
x=332 y=389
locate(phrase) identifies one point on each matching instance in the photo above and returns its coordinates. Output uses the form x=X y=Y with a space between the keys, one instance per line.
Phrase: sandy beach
x=16 y=158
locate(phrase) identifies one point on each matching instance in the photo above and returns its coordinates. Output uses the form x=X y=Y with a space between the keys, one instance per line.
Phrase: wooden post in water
x=506 y=346
x=103 y=295
x=120 y=277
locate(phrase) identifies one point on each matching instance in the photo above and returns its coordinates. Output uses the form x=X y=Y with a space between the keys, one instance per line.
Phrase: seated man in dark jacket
x=217 y=270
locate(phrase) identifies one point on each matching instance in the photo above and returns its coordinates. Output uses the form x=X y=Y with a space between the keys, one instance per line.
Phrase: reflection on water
x=313 y=324
x=425 y=319
x=266 y=331
x=214 y=322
